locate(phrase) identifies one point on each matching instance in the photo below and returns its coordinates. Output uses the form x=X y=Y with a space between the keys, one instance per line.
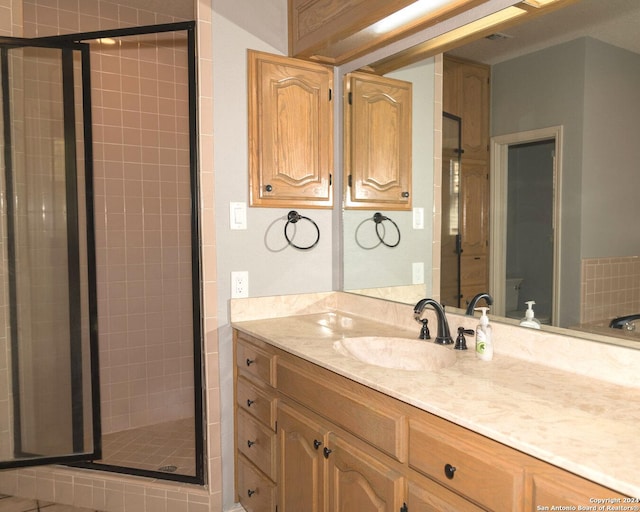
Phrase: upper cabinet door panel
x=290 y=132
x=378 y=142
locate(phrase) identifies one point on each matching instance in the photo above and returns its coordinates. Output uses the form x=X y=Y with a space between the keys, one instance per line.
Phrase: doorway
x=525 y=233
x=138 y=223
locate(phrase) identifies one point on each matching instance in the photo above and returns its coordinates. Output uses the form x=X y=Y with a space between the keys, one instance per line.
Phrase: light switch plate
x=238 y=215
x=418 y=218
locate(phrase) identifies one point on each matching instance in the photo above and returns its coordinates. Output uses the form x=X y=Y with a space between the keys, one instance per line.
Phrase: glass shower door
x=48 y=392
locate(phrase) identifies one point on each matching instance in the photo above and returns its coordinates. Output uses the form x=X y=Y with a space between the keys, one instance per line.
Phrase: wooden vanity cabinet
x=290 y=132
x=324 y=443
x=377 y=144
x=323 y=469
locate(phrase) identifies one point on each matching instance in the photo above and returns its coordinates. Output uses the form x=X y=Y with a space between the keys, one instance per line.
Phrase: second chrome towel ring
x=292 y=218
x=378 y=218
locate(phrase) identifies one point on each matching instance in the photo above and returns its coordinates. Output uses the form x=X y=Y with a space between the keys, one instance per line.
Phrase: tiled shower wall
x=143 y=232
x=610 y=288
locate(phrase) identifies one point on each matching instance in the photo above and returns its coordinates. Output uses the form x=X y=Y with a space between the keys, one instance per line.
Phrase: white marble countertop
x=585 y=425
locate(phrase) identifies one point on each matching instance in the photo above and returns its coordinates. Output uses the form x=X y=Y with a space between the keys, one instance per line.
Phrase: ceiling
x=614 y=22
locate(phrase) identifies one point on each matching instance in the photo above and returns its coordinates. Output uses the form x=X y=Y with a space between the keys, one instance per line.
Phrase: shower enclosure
x=99 y=274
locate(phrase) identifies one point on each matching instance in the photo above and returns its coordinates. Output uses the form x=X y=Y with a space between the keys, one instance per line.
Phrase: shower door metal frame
x=68 y=82
x=73 y=41
x=189 y=28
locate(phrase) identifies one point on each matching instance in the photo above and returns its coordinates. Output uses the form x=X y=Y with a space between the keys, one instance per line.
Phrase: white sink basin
x=397 y=353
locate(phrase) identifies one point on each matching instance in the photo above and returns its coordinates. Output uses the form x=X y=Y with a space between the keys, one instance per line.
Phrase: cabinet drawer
x=255 y=361
x=256 y=401
x=367 y=415
x=257 y=443
x=477 y=468
x=255 y=492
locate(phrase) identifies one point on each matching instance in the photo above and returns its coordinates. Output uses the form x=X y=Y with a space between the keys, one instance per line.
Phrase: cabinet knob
x=405 y=194
x=250 y=361
x=250 y=492
x=317 y=444
x=250 y=402
x=326 y=452
x=449 y=471
x=251 y=443
x=268 y=188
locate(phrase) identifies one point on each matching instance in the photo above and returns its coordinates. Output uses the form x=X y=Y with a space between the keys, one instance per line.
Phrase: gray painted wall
x=611 y=162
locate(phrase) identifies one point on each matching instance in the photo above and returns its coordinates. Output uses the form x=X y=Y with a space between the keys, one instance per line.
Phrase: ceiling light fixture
x=407 y=14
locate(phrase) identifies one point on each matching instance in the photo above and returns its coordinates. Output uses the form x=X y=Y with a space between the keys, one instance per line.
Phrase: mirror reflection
x=560 y=201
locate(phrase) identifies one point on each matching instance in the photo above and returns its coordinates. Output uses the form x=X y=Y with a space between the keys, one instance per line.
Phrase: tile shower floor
x=161 y=447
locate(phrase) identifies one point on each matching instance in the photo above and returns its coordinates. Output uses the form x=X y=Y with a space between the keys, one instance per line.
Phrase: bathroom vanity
x=318 y=429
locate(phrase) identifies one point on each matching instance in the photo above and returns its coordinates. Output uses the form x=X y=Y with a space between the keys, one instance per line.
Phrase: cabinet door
x=473 y=83
x=474 y=222
x=290 y=132
x=554 y=487
x=377 y=142
x=301 y=442
x=359 y=481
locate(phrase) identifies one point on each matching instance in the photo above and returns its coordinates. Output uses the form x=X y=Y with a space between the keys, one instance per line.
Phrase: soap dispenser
x=484 y=342
x=529 y=319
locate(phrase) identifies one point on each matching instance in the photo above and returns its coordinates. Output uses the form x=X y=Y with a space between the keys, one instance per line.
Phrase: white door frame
x=498 y=216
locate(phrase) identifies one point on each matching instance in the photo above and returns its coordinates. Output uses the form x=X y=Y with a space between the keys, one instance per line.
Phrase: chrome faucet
x=472 y=304
x=443 y=337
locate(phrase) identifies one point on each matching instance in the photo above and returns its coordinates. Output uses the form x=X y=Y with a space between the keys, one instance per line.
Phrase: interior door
x=451 y=238
x=49 y=394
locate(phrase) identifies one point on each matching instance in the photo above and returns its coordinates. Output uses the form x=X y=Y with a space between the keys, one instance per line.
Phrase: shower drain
x=168 y=469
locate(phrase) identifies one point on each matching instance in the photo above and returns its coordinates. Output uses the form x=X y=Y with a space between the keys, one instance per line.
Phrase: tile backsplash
x=610 y=288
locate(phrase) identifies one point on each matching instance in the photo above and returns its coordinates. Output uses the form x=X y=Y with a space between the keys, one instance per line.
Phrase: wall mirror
x=569 y=76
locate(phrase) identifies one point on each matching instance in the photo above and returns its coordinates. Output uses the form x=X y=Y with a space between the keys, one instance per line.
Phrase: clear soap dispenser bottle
x=529 y=319
x=484 y=341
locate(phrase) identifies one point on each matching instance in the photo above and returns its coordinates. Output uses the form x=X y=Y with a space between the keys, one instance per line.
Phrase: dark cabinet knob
x=317 y=444
x=326 y=452
x=449 y=471
x=268 y=188
x=250 y=443
x=250 y=402
x=405 y=194
x=250 y=361
x=250 y=492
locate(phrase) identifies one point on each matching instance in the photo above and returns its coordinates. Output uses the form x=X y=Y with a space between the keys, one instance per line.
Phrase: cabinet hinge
x=276 y=426
x=350 y=98
x=330 y=94
x=330 y=179
x=349 y=180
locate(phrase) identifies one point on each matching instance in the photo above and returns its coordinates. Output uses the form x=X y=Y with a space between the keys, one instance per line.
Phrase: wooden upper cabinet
x=290 y=132
x=377 y=144
x=467 y=95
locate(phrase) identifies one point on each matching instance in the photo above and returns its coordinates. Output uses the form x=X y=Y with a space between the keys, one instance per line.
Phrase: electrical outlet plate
x=239 y=284
x=418 y=272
